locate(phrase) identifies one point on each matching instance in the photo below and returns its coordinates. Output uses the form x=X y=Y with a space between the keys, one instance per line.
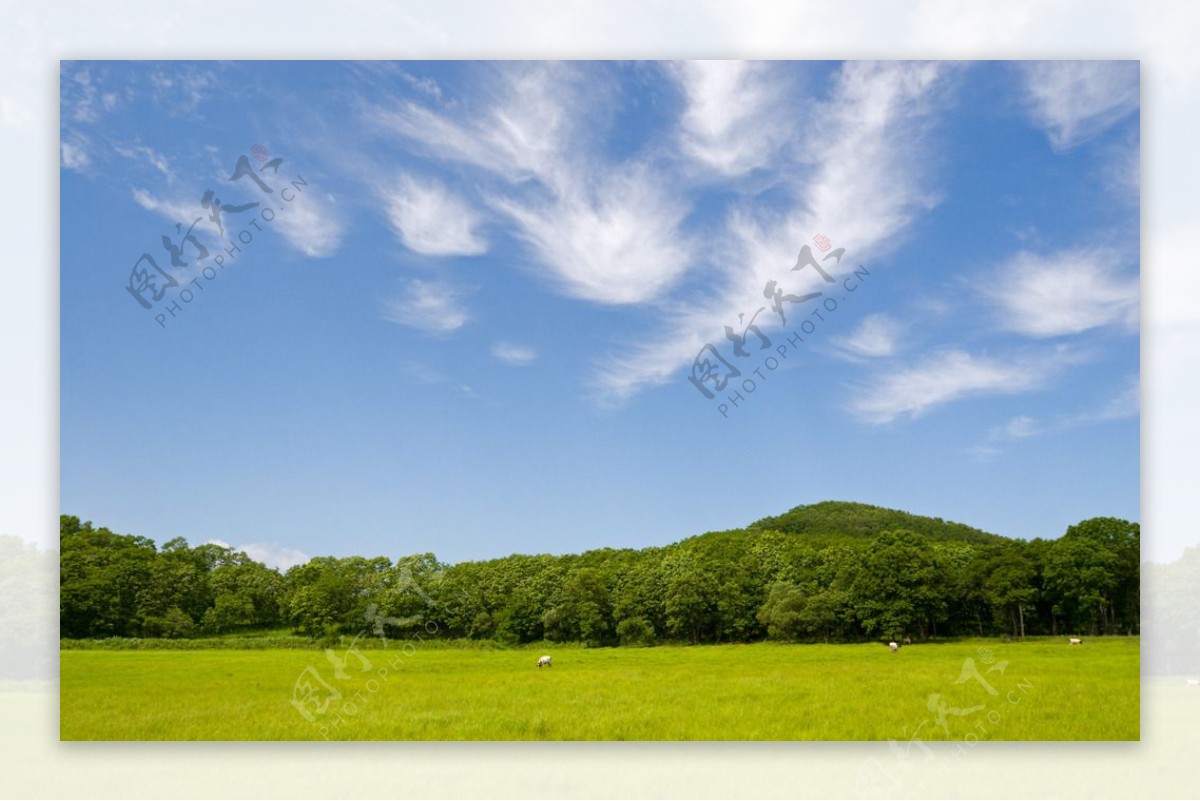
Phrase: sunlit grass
x=1047 y=690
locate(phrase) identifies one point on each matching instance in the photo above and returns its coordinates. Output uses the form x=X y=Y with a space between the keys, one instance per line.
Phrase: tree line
x=830 y=572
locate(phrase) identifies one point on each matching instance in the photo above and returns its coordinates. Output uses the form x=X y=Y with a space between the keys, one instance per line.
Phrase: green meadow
x=1038 y=689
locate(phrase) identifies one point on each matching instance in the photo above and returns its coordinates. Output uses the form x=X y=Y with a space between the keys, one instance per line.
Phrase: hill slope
x=837 y=519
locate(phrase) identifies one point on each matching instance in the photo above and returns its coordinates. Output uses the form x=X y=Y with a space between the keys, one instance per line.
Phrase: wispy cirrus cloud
x=307 y=224
x=148 y=154
x=1122 y=405
x=1064 y=293
x=614 y=241
x=863 y=182
x=183 y=87
x=516 y=355
x=875 y=337
x=434 y=307
x=952 y=375
x=311 y=224
x=1077 y=100
x=601 y=230
x=175 y=209
x=431 y=220
x=83 y=100
x=73 y=153
x=731 y=123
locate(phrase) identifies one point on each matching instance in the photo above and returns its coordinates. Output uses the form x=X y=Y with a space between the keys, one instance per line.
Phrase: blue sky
x=470 y=329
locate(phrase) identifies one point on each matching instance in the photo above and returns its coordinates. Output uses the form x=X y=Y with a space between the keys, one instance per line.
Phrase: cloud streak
x=731 y=124
x=1077 y=100
x=311 y=225
x=600 y=230
x=431 y=220
x=875 y=337
x=862 y=184
x=1065 y=293
x=1121 y=406
x=515 y=355
x=434 y=307
x=950 y=376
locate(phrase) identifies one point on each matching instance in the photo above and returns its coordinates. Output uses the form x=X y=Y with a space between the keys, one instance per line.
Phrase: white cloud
x=531 y=112
x=616 y=242
x=875 y=337
x=949 y=376
x=181 y=211
x=429 y=219
x=426 y=85
x=605 y=232
x=155 y=159
x=1123 y=405
x=310 y=224
x=1065 y=293
x=865 y=185
x=431 y=306
x=274 y=555
x=79 y=94
x=731 y=123
x=1076 y=100
x=268 y=553
x=516 y=355
x=307 y=223
x=183 y=87
x=1019 y=427
x=74 y=155
x=1122 y=171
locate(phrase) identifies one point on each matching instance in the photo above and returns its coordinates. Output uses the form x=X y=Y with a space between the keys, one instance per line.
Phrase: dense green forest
x=830 y=571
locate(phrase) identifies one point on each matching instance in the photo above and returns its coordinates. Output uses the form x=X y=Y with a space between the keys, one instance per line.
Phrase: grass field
x=1039 y=690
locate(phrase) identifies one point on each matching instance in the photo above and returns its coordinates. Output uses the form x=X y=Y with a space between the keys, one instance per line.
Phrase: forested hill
x=828 y=571
x=831 y=520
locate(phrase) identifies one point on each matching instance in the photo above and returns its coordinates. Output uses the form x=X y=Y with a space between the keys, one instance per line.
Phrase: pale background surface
x=32 y=761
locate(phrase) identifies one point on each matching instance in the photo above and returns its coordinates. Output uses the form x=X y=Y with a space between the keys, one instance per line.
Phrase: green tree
x=101 y=575
x=691 y=597
x=782 y=613
x=1081 y=575
x=1009 y=587
x=900 y=586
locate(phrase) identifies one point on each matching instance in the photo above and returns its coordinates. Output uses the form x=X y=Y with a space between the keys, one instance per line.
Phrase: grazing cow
x=894 y=647
x=906 y=641
x=1075 y=641
x=544 y=662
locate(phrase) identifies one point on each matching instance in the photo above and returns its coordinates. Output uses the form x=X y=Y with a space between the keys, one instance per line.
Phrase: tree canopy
x=826 y=572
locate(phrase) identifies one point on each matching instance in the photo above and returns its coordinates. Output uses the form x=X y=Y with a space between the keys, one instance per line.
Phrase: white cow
x=544 y=662
x=1193 y=682
x=1075 y=641
x=894 y=647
